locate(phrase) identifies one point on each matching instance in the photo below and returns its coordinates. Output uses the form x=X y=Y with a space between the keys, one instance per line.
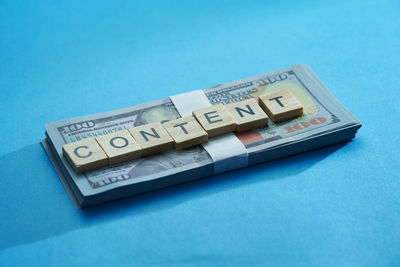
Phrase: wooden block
x=247 y=114
x=152 y=138
x=85 y=155
x=281 y=105
x=186 y=132
x=215 y=120
x=119 y=146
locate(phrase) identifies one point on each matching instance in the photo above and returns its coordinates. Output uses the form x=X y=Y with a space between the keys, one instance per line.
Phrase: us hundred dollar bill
x=325 y=121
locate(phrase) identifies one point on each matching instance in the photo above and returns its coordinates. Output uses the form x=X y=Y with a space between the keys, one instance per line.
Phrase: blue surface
x=335 y=206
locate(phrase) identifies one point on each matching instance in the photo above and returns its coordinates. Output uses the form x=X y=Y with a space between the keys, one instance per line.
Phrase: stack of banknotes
x=325 y=121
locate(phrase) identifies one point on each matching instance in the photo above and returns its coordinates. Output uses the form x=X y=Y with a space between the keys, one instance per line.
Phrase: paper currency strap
x=181 y=133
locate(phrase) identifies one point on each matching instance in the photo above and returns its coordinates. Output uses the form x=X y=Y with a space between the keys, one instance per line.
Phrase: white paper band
x=187 y=102
x=226 y=151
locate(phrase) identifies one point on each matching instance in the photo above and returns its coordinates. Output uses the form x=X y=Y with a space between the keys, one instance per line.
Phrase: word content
x=204 y=123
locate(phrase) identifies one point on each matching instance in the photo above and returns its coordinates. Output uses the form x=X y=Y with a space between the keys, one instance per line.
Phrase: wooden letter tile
x=281 y=105
x=85 y=155
x=119 y=146
x=247 y=114
x=152 y=138
x=216 y=120
x=186 y=132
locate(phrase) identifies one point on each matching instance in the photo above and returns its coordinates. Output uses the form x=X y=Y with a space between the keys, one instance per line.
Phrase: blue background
x=338 y=205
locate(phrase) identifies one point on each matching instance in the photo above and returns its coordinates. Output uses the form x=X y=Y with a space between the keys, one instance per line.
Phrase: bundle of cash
x=324 y=121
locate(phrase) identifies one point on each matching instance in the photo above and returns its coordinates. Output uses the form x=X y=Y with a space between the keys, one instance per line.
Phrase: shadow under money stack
x=314 y=119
